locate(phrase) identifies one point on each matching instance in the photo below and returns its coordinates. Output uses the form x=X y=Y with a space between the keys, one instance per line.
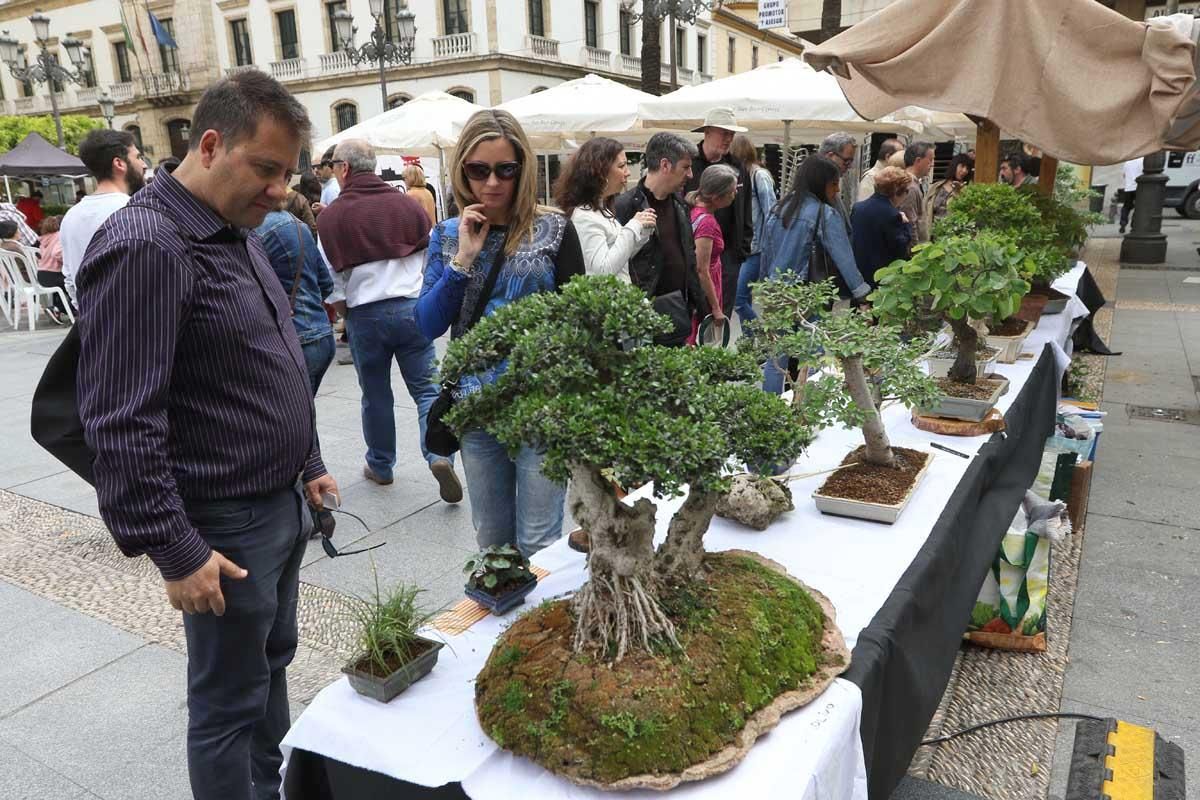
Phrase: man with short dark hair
x=195 y=400
x=918 y=160
x=665 y=267
x=330 y=188
x=114 y=160
x=374 y=240
x=737 y=219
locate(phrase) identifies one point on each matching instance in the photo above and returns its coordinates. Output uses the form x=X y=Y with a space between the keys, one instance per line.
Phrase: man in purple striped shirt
x=195 y=399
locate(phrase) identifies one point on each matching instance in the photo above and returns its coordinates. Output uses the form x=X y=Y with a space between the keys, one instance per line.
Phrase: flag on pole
x=160 y=33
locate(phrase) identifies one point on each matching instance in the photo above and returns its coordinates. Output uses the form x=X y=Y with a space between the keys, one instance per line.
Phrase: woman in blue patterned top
x=494 y=178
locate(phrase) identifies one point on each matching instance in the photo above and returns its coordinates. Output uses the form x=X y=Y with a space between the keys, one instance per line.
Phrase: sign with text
x=772 y=14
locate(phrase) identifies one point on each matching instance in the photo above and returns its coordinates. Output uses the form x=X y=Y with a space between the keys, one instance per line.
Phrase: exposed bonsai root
x=615 y=612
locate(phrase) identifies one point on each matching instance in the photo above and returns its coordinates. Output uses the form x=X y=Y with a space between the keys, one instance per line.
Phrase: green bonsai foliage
x=579 y=380
x=1013 y=212
x=874 y=361
x=497 y=568
x=956 y=278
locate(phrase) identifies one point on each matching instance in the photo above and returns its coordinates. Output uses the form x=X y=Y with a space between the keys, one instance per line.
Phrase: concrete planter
x=862 y=509
x=384 y=689
x=964 y=407
x=1009 y=346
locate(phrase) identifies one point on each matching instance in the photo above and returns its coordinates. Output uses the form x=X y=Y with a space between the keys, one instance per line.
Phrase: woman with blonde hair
x=718 y=189
x=503 y=247
x=414 y=181
x=880 y=233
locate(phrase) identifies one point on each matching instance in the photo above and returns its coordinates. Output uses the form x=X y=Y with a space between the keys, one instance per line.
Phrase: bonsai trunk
x=681 y=556
x=967 y=340
x=617 y=608
x=879 y=449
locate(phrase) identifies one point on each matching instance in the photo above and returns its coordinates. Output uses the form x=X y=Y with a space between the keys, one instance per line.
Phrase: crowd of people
x=210 y=300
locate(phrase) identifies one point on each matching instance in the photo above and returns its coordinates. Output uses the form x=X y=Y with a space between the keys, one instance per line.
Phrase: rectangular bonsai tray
x=966 y=408
x=384 y=689
x=1010 y=346
x=863 y=509
x=940 y=367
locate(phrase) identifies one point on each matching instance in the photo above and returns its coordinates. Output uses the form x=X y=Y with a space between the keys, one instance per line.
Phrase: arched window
x=463 y=93
x=345 y=115
x=397 y=100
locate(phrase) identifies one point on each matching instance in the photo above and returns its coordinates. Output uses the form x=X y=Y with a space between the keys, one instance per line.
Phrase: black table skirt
x=903 y=658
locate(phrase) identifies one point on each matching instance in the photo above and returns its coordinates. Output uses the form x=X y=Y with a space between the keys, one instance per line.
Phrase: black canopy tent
x=35 y=156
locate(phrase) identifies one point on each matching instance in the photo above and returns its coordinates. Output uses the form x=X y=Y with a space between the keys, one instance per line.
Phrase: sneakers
x=448 y=484
x=370 y=475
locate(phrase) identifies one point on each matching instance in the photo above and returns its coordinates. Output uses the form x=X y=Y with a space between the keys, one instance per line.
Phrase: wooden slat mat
x=467 y=612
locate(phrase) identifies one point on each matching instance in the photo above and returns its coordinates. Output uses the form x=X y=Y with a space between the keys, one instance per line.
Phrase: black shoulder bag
x=54 y=418
x=439 y=439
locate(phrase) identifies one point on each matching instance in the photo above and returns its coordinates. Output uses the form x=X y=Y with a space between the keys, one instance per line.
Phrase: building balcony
x=595 y=58
x=27 y=105
x=121 y=92
x=541 y=47
x=164 y=84
x=336 y=63
x=86 y=95
x=291 y=69
x=230 y=71
x=629 y=65
x=456 y=45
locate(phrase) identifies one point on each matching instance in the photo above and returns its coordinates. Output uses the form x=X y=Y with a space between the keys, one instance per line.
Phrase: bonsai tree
x=579 y=379
x=874 y=361
x=497 y=568
x=956 y=278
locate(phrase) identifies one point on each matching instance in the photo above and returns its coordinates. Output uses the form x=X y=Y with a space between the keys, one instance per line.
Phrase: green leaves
x=496 y=565
x=567 y=386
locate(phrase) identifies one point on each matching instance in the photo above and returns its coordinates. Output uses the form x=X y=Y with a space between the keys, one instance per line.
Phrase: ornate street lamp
x=108 y=108
x=46 y=69
x=379 y=48
x=685 y=11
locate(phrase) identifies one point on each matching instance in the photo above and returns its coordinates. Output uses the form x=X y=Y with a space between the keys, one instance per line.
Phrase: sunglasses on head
x=481 y=170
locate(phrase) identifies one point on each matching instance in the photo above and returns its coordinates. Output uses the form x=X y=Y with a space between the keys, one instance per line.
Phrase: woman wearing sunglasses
x=494 y=178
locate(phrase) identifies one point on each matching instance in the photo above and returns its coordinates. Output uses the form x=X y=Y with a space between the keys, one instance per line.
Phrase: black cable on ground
x=1018 y=718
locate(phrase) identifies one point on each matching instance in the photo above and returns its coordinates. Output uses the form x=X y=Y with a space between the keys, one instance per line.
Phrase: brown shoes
x=449 y=485
x=579 y=540
x=370 y=475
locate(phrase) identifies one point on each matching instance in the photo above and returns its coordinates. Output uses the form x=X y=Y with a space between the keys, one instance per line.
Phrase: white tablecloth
x=429 y=734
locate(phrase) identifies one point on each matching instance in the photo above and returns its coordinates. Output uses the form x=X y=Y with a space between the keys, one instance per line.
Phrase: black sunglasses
x=481 y=170
x=325 y=523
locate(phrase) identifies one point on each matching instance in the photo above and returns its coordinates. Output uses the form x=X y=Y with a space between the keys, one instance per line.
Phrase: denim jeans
x=746 y=276
x=380 y=332
x=512 y=502
x=237 y=693
x=318 y=355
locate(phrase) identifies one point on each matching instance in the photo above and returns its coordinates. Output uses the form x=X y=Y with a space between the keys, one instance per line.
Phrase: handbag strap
x=489 y=284
x=299 y=268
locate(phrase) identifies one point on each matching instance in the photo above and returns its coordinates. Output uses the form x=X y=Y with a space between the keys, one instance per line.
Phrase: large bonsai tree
x=874 y=362
x=579 y=380
x=956 y=278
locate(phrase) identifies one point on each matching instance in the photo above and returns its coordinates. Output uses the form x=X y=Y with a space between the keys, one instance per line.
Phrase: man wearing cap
x=736 y=221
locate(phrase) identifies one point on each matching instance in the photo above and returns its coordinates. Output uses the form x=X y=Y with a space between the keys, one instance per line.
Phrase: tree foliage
x=977 y=276
x=578 y=379
x=795 y=319
x=75 y=126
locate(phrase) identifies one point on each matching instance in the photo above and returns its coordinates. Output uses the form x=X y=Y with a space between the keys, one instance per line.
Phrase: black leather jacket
x=646 y=265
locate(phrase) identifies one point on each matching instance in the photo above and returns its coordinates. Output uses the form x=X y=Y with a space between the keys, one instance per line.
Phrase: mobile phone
x=330 y=501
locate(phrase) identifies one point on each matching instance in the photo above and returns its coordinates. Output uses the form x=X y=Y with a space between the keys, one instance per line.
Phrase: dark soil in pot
x=394 y=661
x=1009 y=327
x=875 y=484
x=980 y=390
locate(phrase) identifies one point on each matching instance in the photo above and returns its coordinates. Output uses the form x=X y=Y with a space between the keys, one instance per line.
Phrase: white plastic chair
x=31 y=291
x=9 y=299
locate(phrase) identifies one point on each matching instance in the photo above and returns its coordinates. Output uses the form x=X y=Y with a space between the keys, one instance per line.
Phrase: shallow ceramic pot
x=503 y=603
x=964 y=407
x=1010 y=346
x=862 y=509
x=384 y=689
x=940 y=367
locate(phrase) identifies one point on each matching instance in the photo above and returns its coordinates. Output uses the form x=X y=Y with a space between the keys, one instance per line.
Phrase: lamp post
x=379 y=48
x=685 y=11
x=108 y=108
x=45 y=69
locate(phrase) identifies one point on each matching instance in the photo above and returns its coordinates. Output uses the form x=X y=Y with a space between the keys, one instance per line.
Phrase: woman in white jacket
x=585 y=190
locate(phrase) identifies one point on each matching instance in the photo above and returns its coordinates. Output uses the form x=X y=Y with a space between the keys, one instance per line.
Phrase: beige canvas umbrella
x=1071 y=77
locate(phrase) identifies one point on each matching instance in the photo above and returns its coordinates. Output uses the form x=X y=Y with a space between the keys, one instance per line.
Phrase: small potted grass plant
x=499 y=578
x=391 y=654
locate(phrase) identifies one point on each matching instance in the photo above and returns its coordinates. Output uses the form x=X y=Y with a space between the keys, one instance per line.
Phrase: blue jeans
x=236 y=672
x=318 y=355
x=380 y=332
x=512 y=502
x=747 y=275
x=773 y=372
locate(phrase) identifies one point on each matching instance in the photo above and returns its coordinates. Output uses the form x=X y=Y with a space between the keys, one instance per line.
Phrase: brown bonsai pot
x=1032 y=306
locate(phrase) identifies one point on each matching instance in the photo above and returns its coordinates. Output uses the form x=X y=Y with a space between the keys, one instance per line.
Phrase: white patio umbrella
x=427 y=125
x=585 y=107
